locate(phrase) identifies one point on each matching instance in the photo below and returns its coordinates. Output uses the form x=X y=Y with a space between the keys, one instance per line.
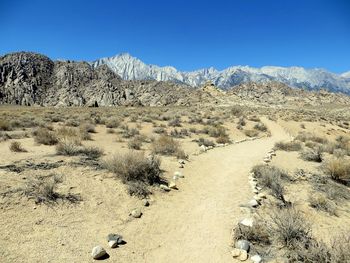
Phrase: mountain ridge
x=132 y=68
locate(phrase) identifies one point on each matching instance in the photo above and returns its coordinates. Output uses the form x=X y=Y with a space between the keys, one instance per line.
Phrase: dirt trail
x=194 y=224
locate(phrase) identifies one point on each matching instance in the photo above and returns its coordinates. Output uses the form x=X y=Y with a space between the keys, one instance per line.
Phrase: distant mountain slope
x=131 y=68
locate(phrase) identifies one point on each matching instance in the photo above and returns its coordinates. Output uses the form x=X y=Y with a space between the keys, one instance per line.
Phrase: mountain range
x=131 y=68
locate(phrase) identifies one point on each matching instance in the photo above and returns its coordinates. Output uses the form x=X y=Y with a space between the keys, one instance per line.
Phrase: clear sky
x=183 y=33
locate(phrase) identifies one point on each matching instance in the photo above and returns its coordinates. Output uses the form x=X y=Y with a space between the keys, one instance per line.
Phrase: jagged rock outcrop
x=33 y=79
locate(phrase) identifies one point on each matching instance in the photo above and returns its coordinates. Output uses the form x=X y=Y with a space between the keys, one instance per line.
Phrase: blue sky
x=186 y=34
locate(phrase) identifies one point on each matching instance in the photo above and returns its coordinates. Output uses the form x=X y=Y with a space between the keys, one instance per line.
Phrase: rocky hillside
x=33 y=79
x=275 y=93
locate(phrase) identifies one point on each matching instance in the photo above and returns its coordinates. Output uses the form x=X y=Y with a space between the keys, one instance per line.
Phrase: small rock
x=164 y=187
x=181 y=166
x=98 y=252
x=202 y=148
x=181 y=161
x=114 y=240
x=255 y=191
x=113 y=243
x=267 y=160
x=179 y=174
x=243 y=244
x=247 y=222
x=235 y=252
x=136 y=213
x=256 y=259
x=172 y=185
x=243 y=256
x=253 y=203
x=262 y=195
x=145 y=202
x=257 y=198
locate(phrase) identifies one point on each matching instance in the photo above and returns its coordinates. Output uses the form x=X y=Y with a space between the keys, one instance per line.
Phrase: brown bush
x=45 y=136
x=134 y=166
x=17 y=147
x=251 y=133
x=5 y=125
x=288 y=146
x=319 y=202
x=44 y=190
x=166 y=145
x=288 y=227
x=338 y=169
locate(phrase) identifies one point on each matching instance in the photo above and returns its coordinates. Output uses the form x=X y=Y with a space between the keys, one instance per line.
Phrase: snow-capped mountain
x=131 y=68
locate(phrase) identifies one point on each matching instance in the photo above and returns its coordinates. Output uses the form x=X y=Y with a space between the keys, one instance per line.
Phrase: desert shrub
x=127 y=132
x=216 y=131
x=331 y=189
x=135 y=143
x=175 y=122
x=288 y=227
x=5 y=125
x=88 y=127
x=288 y=146
x=17 y=147
x=319 y=202
x=195 y=119
x=304 y=136
x=110 y=131
x=179 y=133
x=205 y=142
x=45 y=136
x=134 y=166
x=257 y=234
x=260 y=127
x=165 y=145
x=91 y=152
x=72 y=122
x=112 y=123
x=223 y=139
x=236 y=110
x=180 y=154
x=254 y=118
x=138 y=189
x=44 y=190
x=68 y=146
x=338 y=169
x=341 y=247
x=159 y=130
x=312 y=155
x=241 y=121
x=311 y=252
x=66 y=132
x=272 y=178
x=251 y=133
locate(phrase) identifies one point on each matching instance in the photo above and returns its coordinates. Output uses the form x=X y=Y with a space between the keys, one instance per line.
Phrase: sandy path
x=194 y=225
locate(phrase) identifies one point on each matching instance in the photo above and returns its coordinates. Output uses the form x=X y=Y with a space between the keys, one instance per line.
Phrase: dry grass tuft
x=17 y=147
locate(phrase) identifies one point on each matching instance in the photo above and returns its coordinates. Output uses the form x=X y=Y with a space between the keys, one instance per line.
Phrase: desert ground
x=179 y=184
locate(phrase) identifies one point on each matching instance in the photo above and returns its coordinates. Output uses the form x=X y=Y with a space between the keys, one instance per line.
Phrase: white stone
x=98 y=252
x=247 y=222
x=113 y=243
x=164 y=187
x=256 y=259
